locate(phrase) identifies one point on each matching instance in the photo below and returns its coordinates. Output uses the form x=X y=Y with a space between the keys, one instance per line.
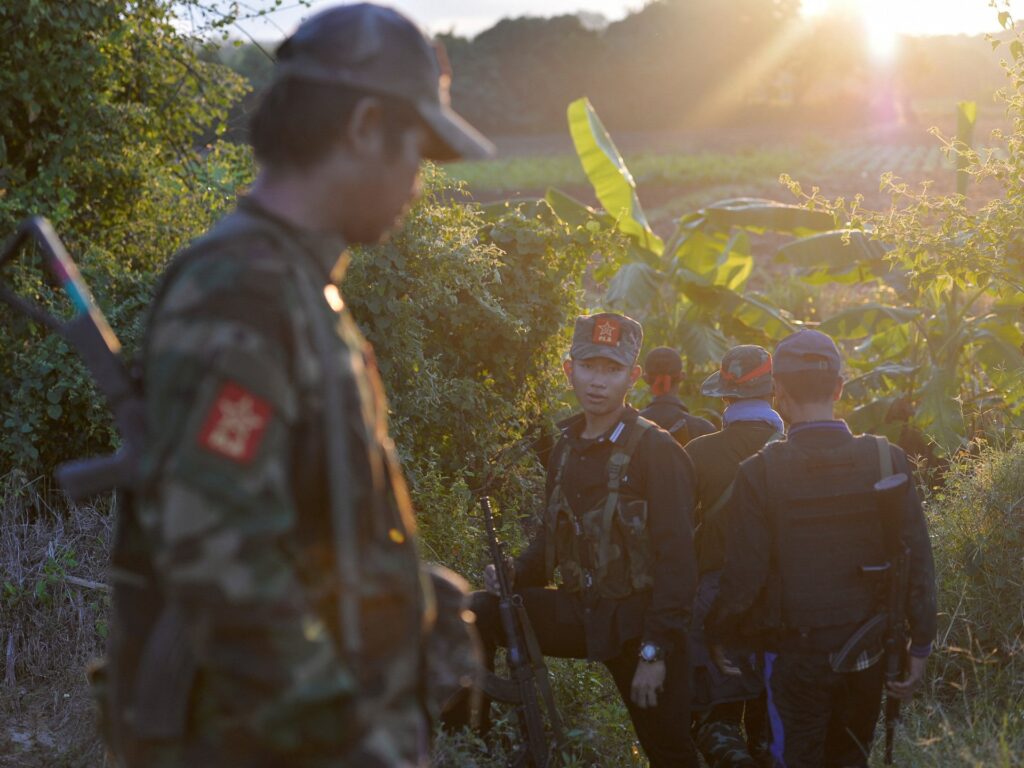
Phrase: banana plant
x=688 y=290
x=938 y=360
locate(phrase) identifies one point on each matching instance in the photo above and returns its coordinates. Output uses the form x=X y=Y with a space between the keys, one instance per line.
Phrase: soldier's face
x=387 y=176
x=601 y=384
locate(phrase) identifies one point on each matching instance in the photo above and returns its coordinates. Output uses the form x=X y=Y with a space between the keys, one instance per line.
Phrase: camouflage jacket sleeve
x=222 y=410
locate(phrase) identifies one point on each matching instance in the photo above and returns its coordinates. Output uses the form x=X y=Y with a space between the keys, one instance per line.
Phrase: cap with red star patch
x=616 y=337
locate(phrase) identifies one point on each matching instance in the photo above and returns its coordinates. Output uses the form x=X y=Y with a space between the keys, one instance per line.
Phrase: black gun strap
x=540 y=670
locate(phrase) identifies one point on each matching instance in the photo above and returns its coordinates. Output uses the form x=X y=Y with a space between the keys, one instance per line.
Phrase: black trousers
x=819 y=717
x=663 y=730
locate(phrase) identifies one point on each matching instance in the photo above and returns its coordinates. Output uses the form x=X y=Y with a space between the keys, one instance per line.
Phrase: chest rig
x=604 y=552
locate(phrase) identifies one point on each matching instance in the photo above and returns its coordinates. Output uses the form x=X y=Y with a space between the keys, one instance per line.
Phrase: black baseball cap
x=377 y=49
x=663 y=361
x=807 y=350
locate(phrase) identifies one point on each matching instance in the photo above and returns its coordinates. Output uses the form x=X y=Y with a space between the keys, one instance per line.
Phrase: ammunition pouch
x=606 y=551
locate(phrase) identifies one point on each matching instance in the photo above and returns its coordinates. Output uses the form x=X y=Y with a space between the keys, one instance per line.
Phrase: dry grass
x=52 y=622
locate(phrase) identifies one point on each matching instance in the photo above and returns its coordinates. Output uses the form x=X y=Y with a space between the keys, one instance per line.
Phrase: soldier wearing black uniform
x=744 y=382
x=663 y=371
x=801 y=525
x=617 y=527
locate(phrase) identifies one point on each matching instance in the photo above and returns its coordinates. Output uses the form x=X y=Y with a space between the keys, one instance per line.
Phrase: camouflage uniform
x=236 y=513
x=269 y=605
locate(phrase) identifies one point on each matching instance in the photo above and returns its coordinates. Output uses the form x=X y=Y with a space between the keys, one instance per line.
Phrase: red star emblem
x=607 y=331
x=236 y=423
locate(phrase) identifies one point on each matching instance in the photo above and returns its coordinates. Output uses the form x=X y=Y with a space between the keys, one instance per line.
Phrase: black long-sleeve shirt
x=660 y=473
x=749 y=544
x=667 y=410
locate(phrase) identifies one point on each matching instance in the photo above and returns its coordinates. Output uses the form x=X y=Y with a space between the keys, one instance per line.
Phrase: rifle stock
x=533 y=697
x=92 y=338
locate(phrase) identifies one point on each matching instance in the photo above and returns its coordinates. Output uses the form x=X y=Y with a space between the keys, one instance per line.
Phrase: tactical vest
x=606 y=551
x=377 y=584
x=827 y=525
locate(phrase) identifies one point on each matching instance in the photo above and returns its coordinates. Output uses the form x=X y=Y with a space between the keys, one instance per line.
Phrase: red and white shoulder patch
x=236 y=424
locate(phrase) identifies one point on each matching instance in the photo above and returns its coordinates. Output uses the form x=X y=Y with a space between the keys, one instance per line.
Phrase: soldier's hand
x=725 y=666
x=904 y=689
x=647 y=681
x=491 y=583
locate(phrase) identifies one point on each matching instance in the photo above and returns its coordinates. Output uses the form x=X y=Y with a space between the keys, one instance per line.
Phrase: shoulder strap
x=554 y=504
x=681 y=430
x=343 y=514
x=884 y=456
x=723 y=499
x=617 y=466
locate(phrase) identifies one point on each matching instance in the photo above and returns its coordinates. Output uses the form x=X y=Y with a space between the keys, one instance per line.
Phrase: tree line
x=685 y=64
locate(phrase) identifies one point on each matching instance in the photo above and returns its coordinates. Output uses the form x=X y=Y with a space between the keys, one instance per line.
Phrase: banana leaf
x=715 y=259
x=762 y=215
x=636 y=289
x=939 y=411
x=613 y=183
x=699 y=340
x=870 y=417
x=839 y=248
x=751 y=310
x=893 y=344
x=879 y=376
x=997 y=348
x=866 y=320
x=573 y=212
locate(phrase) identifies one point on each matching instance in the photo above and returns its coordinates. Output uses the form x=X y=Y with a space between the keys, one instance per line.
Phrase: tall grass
x=53 y=608
x=970 y=714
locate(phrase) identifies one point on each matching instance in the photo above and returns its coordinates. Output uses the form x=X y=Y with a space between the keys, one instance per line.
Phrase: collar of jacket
x=805 y=426
x=670 y=397
x=613 y=435
x=328 y=251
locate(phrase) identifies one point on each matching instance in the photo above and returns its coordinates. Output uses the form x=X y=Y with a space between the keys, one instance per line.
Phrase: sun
x=880 y=35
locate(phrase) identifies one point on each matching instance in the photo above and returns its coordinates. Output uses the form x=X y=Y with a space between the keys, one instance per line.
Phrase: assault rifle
x=530 y=686
x=891 y=492
x=89 y=334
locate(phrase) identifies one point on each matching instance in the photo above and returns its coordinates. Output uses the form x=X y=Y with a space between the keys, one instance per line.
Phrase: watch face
x=649 y=652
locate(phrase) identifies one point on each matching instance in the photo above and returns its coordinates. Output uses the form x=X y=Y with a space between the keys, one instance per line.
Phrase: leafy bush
x=971 y=713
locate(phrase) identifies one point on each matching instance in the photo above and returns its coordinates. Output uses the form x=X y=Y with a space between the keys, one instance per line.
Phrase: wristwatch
x=651 y=653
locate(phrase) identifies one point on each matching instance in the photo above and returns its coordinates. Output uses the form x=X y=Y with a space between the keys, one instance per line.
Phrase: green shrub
x=972 y=712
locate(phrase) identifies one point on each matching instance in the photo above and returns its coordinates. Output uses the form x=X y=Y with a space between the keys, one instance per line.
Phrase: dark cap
x=746 y=372
x=807 y=351
x=616 y=337
x=663 y=361
x=377 y=49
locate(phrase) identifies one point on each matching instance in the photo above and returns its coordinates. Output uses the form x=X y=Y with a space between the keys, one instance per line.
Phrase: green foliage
x=970 y=712
x=91 y=141
x=950 y=270
x=687 y=290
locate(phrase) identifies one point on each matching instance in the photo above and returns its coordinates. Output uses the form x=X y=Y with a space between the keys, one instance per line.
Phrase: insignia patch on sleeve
x=235 y=424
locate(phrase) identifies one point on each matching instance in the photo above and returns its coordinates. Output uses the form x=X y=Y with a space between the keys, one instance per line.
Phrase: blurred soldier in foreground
x=617 y=527
x=281 y=610
x=663 y=371
x=744 y=382
x=812 y=547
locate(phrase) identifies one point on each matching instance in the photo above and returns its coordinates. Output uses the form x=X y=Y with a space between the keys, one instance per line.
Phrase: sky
x=885 y=20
